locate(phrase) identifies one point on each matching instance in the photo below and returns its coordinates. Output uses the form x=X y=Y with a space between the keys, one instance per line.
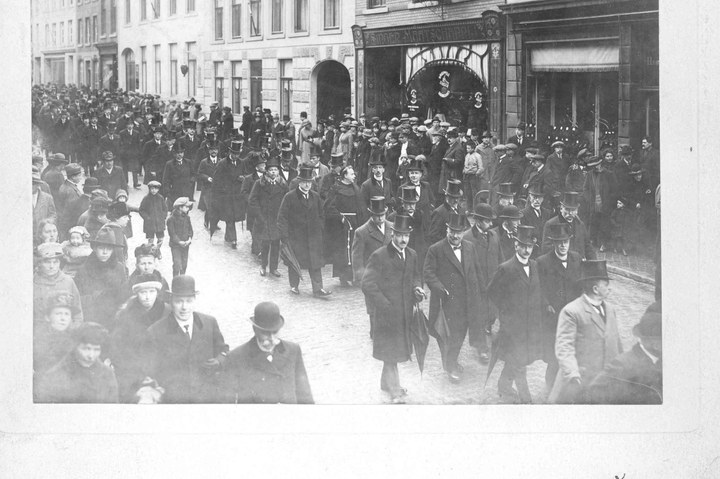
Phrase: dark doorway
x=333 y=89
x=130 y=77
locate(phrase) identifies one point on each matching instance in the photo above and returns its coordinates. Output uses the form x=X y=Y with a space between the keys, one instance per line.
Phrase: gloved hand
x=216 y=363
x=419 y=294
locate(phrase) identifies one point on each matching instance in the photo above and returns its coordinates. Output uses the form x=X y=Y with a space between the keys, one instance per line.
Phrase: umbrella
x=493 y=356
x=441 y=331
x=288 y=257
x=419 y=335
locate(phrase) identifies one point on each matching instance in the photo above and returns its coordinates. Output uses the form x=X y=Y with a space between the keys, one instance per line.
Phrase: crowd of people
x=503 y=235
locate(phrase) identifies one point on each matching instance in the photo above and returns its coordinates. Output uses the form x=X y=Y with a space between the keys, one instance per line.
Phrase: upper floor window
x=236 y=18
x=218 y=19
x=332 y=14
x=277 y=16
x=255 y=18
x=300 y=15
x=376 y=3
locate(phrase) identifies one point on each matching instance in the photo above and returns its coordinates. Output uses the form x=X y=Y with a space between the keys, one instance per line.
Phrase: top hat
x=377 y=205
x=183 y=285
x=408 y=194
x=49 y=250
x=235 y=146
x=557 y=143
x=91 y=184
x=305 y=173
x=285 y=145
x=336 y=159
x=376 y=160
x=650 y=325
x=593 y=161
x=453 y=189
x=187 y=123
x=401 y=224
x=505 y=189
x=536 y=190
x=456 y=222
x=559 y=231
x=484 y=211
x=267 y=317
x=526 y=235
x=104 y=237
x=594 y=269
x=415 y=164
x=570 y=199
x=210 y=135
x=510 y=212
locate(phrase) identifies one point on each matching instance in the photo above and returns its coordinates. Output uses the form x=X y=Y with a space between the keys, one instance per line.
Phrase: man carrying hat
x=559 y=278
x=440 y=215
x=587 y=336
x=185 y=350
x=178 y=179
x=266 y=369
x=579 y=239
x=452 y=273
x=81 y=377
x=378 y=184
x=635 y=376
x=392 y=286
x=515 y=290
x=227 y=192
x=111 y=178
x=301 y=221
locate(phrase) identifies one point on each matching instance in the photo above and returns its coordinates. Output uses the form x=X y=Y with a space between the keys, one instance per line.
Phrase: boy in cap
x=180 y=232
x=146 y=257
x=80 y=377
x=153 y=211
x=48 y=280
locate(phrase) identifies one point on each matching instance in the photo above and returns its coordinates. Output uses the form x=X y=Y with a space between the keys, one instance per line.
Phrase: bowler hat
x=183 y=285
x=526 y=235
x=305 y=174
x=104 y=237
x=557 y=143
x=453 y=189
x=57 y=158
x=594 y=269
x=367 y=132
x=452 y=134
x=182 y=201
x=570 y=199
x=401 y=224
x=73 y=169
x=273 y=162
x=650 y=325
x=235 y=146
x=157 y=129
x=267 y=317
x=408 y=194
x=49 y=250
x=108 y=156
x=377 y=205
x=91 y=184
x=510 y=212
x=376 y=160
x=415 y=164
x=90 y=333
x=505 y=189
x=456 y=222
x=559 y=231
x=484 y=211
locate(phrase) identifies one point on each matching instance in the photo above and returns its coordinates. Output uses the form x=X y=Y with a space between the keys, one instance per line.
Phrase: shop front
x=449 y=69
x=108 y=65
x=586 y=73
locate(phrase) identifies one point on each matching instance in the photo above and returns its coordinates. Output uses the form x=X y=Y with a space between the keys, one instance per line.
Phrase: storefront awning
x=575 y=58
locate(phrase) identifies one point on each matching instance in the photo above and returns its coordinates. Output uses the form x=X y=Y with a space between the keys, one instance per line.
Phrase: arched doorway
x=331 y=89
x=130 y=74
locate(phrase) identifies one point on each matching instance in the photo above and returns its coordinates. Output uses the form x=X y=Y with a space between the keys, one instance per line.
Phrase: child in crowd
x=146 y=264
x=51 y=335
x=118 y=218
x=154 y=212
x=472 y=172
x=121 y=196
x=621 y=223
x=75 y=250
x=180 y=232
x=49 y=280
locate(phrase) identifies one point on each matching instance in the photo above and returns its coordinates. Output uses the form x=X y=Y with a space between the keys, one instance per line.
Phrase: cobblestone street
x=334 y=332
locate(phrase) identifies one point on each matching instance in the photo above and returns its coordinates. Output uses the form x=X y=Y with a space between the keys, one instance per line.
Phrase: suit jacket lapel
x=450 y=254
x=521 y=270
x=595 y=316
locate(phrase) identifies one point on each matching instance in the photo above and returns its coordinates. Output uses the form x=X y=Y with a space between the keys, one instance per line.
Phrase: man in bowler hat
x=266 y=369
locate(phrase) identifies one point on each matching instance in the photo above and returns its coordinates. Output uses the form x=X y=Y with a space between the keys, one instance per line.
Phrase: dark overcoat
x=205 y=172
x=453 y=163
x=438 y=223
x=301 y=225
x=227 y=186
x=580 y=240
x=112 y=181
x=347 y=199
x=153 y=211
x=630 y=378
x=426 y=201
x=388 y=285
x=603 y=184
x=487 y=247
x=130 y=148
x=153 y=160
x=247 y=186
x=520 y=304
x=103 y=288
x=175 y=360
x=366 y=240
x=264 y=205
x=178 y=180
x=252 y=378
x=371 y=187
x=418 y=237
x=506 y=242
x=69 y=382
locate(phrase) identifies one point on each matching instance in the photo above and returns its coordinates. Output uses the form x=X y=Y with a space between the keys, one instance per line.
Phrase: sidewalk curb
x=630 y=274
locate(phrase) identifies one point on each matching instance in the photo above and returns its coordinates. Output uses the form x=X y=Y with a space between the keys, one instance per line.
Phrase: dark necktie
x=187 y=330
x=600 y=311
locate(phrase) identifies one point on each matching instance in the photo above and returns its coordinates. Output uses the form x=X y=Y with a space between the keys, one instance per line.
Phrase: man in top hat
x=622 y=168
x=440 y=215
x=53 y=174
x=487 y=246
x=425 y=194
x=452 y=273
x=288 y=162
x=504 y=172
x=81 y=376
x=301 y=221
x=178 y=179
x=419 y=221
x=579 y=240
x=520 y=139
x=392 y=285
x=635 y=376
x=191 y=142
x=534 y=214
x=599 y=200
x=376 y=232
x=453 y=160
x=378 y=184
x=185 y=350
x=559 y=279
x=152 y=156
x=70 y=191
x=509 y=217
x=266 y=369
x=257 y=161
x=227 y=192
x=111 y=178
x=205 y=174
x=515 y=290
x=131 y=151
x=587 y=336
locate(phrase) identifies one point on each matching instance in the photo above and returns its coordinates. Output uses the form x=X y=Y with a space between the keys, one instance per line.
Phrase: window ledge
x=333 y=31
x=258 y=38
x=376 y=10
x=298 y=34
x=432 y=3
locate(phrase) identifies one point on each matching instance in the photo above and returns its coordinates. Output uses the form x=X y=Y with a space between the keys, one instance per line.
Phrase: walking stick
x=350 y=230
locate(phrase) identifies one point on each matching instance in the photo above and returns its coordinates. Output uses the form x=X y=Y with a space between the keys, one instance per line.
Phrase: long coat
x=112 y=181
x=227 y=186
x=346 y=199
x=175 y=360
x=67 y=195
x=602 y=184
x=251 y=378
x=584 y=344
x=178 y=180
x=44 y=208
x=418 y=237
x=103 y=288
x=558 y=168
x=368 y=238
x=630 y=378
x=487 y=247
x=264 y=205
x=426 y=201
x=559 y=286
x=580 y=240
x=438 y=221
x=453 y=164
x=506 y=243
x=153 y=156
x=388 y=285
x=301 y=226
x=205 y=171
x=130 y=148
x=153 y=211
x=69 y=382
x=435 y=165
x=443 y=272
x=520 y=304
